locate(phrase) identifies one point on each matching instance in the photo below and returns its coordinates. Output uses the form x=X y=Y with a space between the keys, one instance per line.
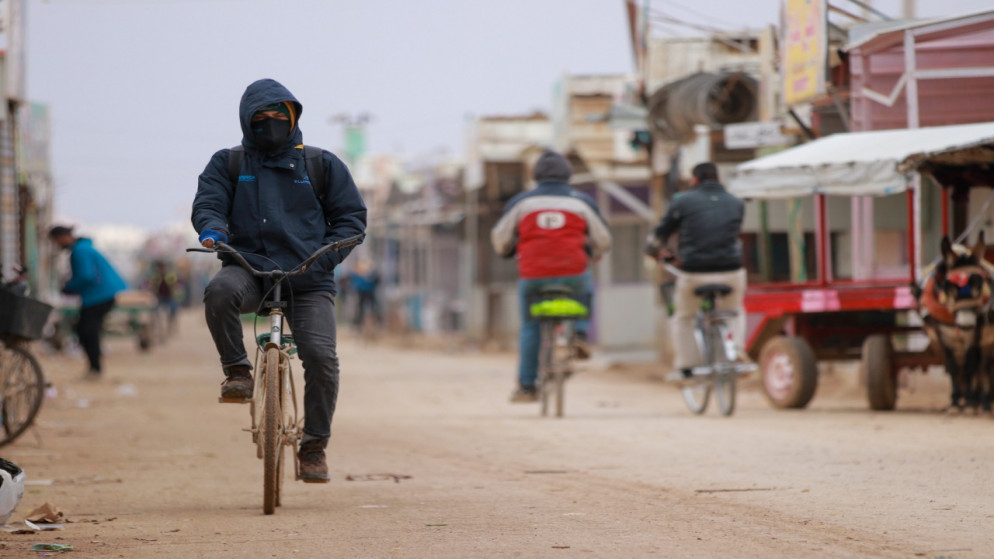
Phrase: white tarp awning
x=873 y=163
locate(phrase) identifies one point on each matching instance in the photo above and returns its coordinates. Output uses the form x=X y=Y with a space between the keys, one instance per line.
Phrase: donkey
x=959 y=318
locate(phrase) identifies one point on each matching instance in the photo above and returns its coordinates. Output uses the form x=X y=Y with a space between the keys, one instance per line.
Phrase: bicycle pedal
x=234 y=400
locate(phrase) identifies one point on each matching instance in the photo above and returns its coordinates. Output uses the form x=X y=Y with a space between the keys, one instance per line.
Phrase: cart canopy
x=875 y=163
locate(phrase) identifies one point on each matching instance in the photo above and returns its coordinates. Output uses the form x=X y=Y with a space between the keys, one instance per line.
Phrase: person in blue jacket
x=97 y=284
x=270 y=210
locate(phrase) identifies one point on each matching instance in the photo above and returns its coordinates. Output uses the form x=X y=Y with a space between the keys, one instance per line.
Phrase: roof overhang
x=874 y=163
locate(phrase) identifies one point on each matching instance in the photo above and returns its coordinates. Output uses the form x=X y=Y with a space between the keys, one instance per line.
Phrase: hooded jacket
x=709 y=220
x=93 y=278
x=552 y=229
x=272 y=211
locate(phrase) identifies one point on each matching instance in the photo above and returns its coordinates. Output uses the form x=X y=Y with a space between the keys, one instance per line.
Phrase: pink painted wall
x=940 y=101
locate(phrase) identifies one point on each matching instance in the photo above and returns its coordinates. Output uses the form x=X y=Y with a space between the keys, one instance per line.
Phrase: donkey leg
x=955 y=382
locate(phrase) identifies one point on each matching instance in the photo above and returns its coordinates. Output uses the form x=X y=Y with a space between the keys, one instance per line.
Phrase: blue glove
x=213 y=236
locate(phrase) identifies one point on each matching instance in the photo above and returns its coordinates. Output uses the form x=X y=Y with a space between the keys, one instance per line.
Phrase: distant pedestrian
x=164 y=283
x=97 y=283
x=364 y=279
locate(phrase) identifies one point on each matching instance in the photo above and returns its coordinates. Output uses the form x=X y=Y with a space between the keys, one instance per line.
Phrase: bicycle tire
x=560 y=393
x=271 y=443
x=724 y=374
x=22 y=391
x=696 y=391
x=544 y=364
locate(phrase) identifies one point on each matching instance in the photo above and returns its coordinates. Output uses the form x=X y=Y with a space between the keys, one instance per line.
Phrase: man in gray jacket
x=708 y=221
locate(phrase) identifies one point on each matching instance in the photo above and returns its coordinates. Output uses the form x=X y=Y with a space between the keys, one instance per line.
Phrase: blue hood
x=259 y=94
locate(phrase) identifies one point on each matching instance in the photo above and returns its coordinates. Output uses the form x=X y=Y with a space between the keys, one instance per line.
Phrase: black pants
x=89 y=329
x=367 y=300
x=233 y=291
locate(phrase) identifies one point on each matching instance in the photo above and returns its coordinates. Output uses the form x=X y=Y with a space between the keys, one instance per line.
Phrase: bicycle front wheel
x=272 y=443
x=22 y=387
x=724 y=379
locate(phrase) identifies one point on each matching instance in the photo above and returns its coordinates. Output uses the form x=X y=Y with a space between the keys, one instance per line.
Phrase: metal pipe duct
x=704 y=98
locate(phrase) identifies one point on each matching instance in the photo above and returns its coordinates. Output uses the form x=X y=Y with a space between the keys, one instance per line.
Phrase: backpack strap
x=235 y=156
x=313 y=158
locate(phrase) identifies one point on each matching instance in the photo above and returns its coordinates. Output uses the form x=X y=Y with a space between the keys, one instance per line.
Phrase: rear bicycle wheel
x=697 y=390
x=545 y=380
x=724 y=372
x=272 y=440
x=22 y=388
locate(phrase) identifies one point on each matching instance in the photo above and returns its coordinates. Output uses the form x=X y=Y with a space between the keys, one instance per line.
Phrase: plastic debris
x=60 y=547
x=376 y=477
x=47 y=513
x=11 y=488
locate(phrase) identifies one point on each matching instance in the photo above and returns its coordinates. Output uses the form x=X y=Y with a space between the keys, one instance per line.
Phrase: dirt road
x=146 y=463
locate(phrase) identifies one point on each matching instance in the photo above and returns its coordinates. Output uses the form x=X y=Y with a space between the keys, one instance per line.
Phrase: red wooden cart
x=793 y=325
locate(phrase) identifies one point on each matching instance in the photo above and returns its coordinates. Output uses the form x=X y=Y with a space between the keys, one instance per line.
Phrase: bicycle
x=556 y=309
x=722 y=361
x=276 y=423
x=22 y=382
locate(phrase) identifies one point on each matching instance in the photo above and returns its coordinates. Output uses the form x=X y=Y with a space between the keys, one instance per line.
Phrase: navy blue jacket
x=273 y=212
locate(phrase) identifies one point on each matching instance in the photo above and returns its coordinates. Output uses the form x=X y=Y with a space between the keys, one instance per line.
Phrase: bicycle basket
x=22 y=317
x=558 y=306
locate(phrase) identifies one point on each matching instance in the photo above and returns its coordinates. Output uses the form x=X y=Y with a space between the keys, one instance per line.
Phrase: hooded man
x=554 y=231
x=97 y=283
x=273 y=215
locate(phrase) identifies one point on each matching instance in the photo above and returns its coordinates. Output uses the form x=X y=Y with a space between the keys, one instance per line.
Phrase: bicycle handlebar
x=280 y=274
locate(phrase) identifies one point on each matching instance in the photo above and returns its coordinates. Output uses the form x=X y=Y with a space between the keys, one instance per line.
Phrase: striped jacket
x=554 y=230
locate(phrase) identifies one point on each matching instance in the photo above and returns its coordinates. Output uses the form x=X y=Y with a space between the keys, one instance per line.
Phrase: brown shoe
x=238 y=385
x=313 y=468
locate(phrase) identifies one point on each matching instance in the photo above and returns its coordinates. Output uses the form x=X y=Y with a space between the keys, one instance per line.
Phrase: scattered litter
x=44 y=528
x=560 y=547
x=546 y=471
x=127 y=389
x=377 y=477
x=82 y=403
x=18 y=528
x=60 y=547
x=39 y=482
x=51 y=392
x=436 y=524
x=735 y=490
x=47 y=513
x=88 y=480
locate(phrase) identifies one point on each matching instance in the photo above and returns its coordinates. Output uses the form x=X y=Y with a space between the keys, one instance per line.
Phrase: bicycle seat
x=712 y=289
x=555 y=291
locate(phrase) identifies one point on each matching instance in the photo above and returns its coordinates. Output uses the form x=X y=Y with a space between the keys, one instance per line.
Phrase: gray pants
x=311 y=315
x=686 y=353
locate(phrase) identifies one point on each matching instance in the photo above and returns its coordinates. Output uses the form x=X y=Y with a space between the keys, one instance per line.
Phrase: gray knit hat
x=552 y=167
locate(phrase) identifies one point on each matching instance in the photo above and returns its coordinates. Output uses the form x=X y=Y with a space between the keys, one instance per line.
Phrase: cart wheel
x=144 y=337
x=789 y=372
x=879 y=372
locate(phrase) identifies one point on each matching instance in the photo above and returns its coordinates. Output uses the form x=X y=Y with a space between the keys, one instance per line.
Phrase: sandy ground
x=146 y=463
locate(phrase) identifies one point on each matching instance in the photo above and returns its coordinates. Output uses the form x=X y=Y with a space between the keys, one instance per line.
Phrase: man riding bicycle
x=707 y=220
x=554 y=231
x=270 y=212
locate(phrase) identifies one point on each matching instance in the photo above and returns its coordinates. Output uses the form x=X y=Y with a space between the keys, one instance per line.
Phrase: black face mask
x=270 y=134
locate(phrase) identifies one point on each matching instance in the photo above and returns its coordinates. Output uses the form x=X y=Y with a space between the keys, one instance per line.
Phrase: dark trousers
x=89 y=330
x=367 y=299
x=311 y=315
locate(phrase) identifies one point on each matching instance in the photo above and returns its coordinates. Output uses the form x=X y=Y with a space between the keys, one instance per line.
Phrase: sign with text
x=746 y=135
x=804 y=58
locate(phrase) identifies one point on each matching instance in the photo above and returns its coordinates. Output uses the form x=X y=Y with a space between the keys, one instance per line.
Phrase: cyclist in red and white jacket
x=554 y=231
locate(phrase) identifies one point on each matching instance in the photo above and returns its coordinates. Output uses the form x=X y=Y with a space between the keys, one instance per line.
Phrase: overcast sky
x=143 y=92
